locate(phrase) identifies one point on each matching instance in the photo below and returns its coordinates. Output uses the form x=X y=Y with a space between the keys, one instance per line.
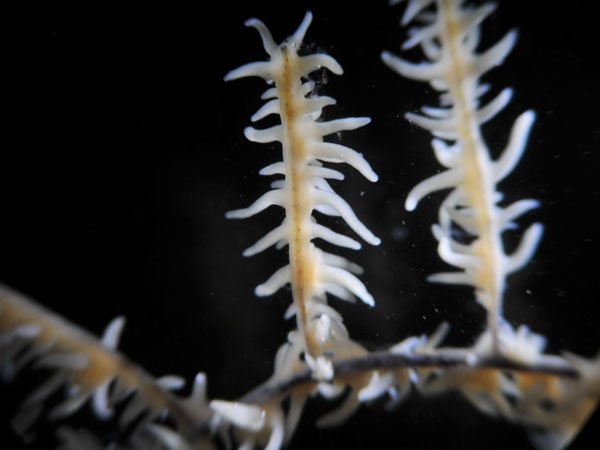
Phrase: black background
x=123 y=149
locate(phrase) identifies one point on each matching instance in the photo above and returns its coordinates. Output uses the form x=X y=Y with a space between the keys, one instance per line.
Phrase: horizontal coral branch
x=386 y=360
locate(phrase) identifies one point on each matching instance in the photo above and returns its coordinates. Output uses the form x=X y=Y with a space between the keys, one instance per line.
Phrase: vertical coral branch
x=449 y=39
x=311 y=272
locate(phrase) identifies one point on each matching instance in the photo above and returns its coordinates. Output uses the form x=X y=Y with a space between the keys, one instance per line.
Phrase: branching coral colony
x=504 y=373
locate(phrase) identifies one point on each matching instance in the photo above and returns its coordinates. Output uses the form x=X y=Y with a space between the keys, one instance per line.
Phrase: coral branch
x=29 y=333
x=454 y=68
x=304 y=188
x=386 y=360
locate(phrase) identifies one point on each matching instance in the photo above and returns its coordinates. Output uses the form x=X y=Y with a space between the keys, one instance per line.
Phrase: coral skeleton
x=505 y=373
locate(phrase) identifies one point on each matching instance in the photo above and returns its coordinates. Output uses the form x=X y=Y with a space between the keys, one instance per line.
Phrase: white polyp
x=431 y=49
x=348 y=123
x=456 y=247
x=446 y=99
x=321 y=367
x=377 y=386
x=339 y=261
x=323 y=309
x=463 y=217
x=437 y=113
x=100 y=400
x=480 y=90
x=281 y=357
x=298 y=36
x=277 y=168
x=269 y=239
x=269 y=93
x=339 y=291
x=340 y=205
x=339 y=333
x=526 y=248
x=338 y=153
x=325 y=172
x=452 y=278
x=24 y=331
x=277 y=425
x=327 y=210
x=112 y=333
x=439 y=232
x=475 y=17
x=267 y=109
x=521 y=345
x=264 y=136
x=275 y=197
x=348 y=281
x=198 y=395
x=307 y=88
x=495 y=55
x=446 y=179
x=495 y=106
x=407 y=346
x=171 y=382
x=440 y=125
x=260 y=69
x=248 y=417
x=320 y=231
x=321 y=184
x=516 y=209
x=418 y=35
x=399 y=392
x=310 y=63
x=269 y=44
x=472 y=39
x=450 y=135
x=279 y=279
x=322 y=328
x=414 y=8
x=317 y=103
x=461 y=260
x=313 y=115
x=516 y=146
x=421 y=71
